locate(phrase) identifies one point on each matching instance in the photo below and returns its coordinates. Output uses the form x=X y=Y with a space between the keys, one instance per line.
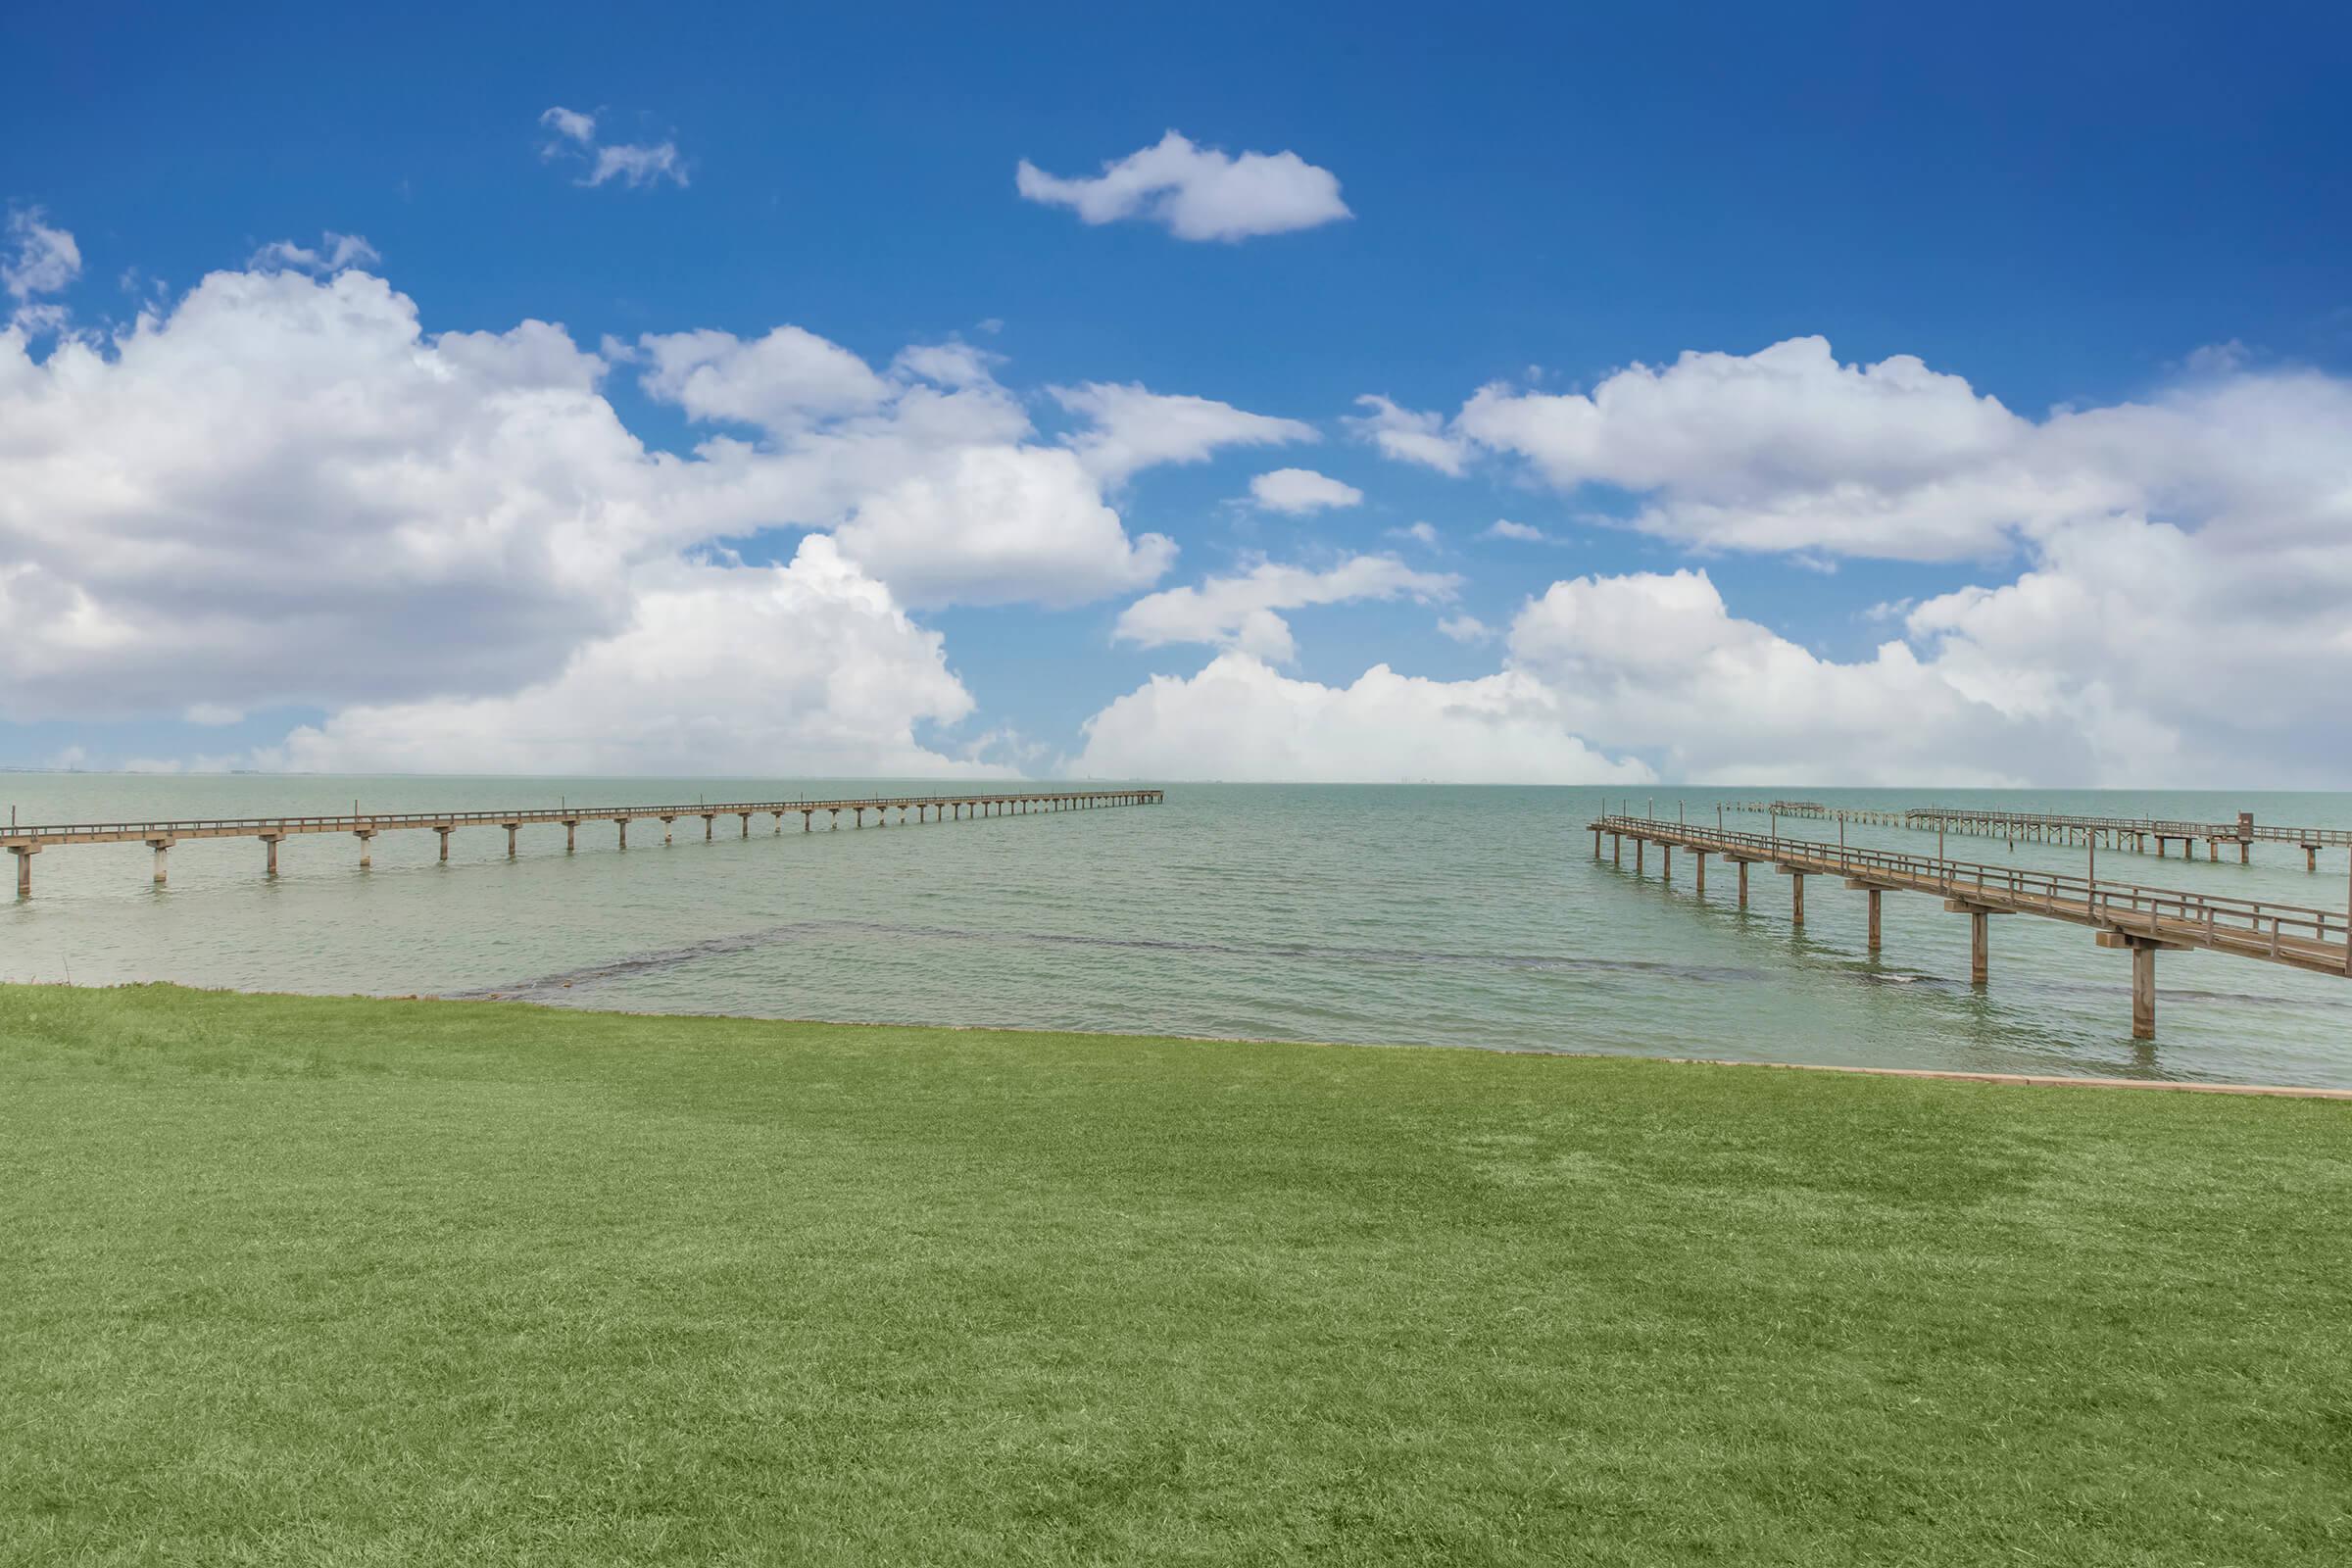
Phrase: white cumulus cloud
x=1411 y=436
x=42 y=259
x=1240 y=718
x=1131 y=427
x=1197 y=193
x=1298 y=492
x=808 y=667
x=1244 y=611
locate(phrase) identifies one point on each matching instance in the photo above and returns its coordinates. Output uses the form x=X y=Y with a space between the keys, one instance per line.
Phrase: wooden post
x=1666 y=862
x=511 y=828
x=1640 y=847
x=1797 y=898
x=445 y=833
x=571 y=831
x=1979 y=946
x=23 y=854
x=1874 y=896
x=270 y=839
x=1700 y=884
x=2143 y=991
x=367 y=838
x=709 y=819
x=163 y=855
x=1743 y=884
x=623 y=823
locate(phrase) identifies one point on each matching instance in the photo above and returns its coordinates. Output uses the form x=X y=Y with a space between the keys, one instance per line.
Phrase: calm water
x=1452 y=916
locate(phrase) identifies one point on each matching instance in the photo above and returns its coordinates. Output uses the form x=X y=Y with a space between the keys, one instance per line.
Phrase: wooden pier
x=2135 y=833
x=2141 y=920
x=28 y=841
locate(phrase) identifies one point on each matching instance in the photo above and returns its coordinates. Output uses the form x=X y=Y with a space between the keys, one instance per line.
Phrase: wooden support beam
x=271 y=867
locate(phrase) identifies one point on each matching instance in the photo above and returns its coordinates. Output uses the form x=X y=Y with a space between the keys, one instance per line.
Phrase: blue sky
x=2075 y=209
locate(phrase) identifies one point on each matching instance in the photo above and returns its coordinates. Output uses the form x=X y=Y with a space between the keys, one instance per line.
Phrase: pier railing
x=350 y=822
x=2306 y=937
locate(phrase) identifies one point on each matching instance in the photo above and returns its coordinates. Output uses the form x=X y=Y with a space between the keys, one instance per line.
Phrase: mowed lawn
x=294 y=1281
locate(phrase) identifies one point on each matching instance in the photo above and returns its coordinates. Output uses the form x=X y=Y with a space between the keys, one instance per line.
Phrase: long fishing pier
x=2133 y=833
x=2144 y=920
x=26 y=842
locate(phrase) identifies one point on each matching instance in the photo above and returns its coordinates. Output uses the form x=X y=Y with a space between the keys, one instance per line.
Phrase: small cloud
x=40 y=259
x=951 y=365
x=2219 y=359
x=1194 y=192
x=1300 y=491
x=633 y=164
x=1410 y=436
x=569 y=125
x=638 y=166
x=1420 y=533
x=993 y=325
x=334 y=253
x=1886 y=610
x=1466 y=629
x=1505 y=528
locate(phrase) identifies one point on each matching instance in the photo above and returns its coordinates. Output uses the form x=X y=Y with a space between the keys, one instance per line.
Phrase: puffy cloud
x=632 y=164
x=333 y=252
x=1241 y=719
x=1505 y=528
x=804 y=669
x=1001 y=525
x=281 y=490
x=1423 y=534
x=1410 y=436
x=1132 y=428
x=783 y=381
x=42 y=259
x=1465 y=629
x=1657 y=661
x=1197 y=193
x=1300 y=491
x=1789 y=450
x=1244 y=611
x=569 y=125
x=285 y=492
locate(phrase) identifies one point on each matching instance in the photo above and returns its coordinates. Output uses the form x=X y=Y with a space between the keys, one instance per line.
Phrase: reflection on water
x=1453 y=915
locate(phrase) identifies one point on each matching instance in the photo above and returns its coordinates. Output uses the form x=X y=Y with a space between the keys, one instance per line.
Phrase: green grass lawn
x=288 y=1280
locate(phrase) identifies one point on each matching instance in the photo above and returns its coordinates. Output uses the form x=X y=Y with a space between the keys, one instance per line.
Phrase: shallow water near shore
x=1452 y=916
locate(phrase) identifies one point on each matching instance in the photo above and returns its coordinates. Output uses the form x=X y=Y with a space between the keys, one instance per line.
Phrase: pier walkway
x=2133 y=833
x=2141 y=919
x=26 y=842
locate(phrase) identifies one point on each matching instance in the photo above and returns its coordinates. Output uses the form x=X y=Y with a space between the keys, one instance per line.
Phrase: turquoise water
x=1473 y=917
